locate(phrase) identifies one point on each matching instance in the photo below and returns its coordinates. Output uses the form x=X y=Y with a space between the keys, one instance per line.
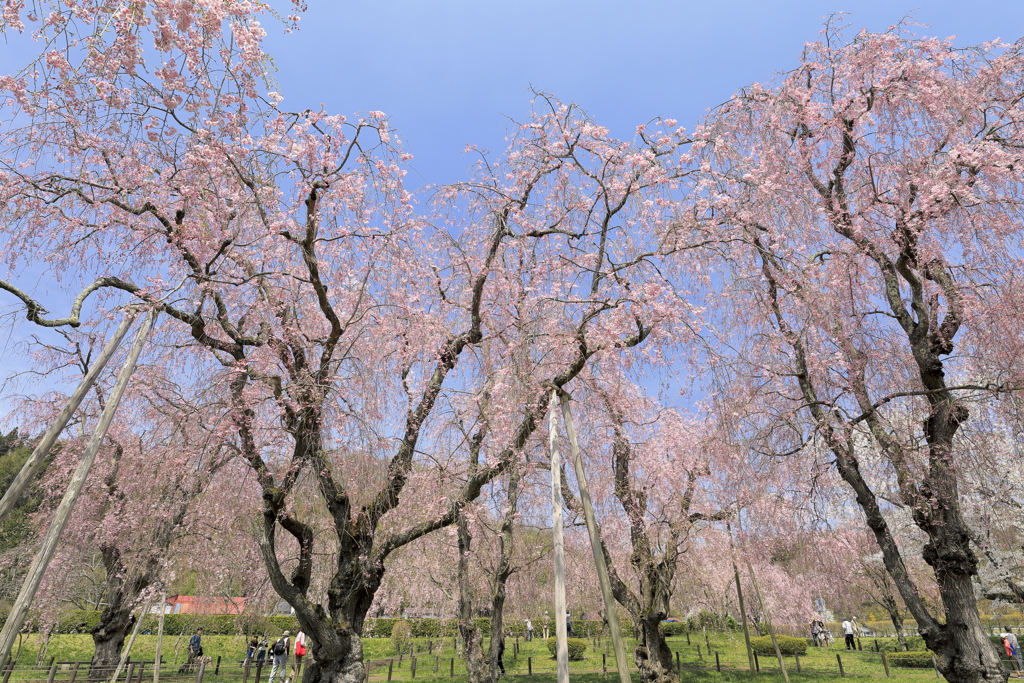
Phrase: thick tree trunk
x=122 y=590
x=964 y=652
x=652 y=656
x=477 y=668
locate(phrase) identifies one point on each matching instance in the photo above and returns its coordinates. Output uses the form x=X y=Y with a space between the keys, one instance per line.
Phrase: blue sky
x=449 y=71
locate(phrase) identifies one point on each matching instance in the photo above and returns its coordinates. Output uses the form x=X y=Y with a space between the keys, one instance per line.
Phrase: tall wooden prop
x=621 y=663
x=561 y=635
x=160 y=640
x=16 y=618
x=743 y=618
x=127 y=651
x=31 y=466
x=768 y=621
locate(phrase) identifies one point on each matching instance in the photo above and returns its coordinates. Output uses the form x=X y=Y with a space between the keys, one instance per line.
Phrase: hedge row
x=446 y=628
x=84 y=621
x=787 y=645
x=911 y=660
x=914 y=643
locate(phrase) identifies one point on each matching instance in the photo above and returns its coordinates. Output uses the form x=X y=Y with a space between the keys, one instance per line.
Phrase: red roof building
x=195 y=604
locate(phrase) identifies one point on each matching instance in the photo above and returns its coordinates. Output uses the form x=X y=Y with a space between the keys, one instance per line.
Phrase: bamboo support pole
x=561 y=643
x=16 y=617
x=743 y=619
x=32 y=465
x=621 y=662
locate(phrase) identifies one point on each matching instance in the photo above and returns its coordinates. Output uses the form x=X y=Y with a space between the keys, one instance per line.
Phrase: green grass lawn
x=521 y=658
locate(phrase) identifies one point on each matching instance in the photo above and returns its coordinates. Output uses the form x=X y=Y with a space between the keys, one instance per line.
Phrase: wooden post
x=391 y=666
x=885 y=663
x=127 y=674
x=259 y=668
x=8 y=668
x=158 y=658
x=53 y=672
x=437 y=664
x=877 y=649
x=707 y=643
x=561 y=645
x=216 y=669
x=245 y=668
x=935 y=665
x=529 y=666
x=16 y=617
x=141 y=670
x=797 y=658
x=74 y=672
x=701 y=656
x=757 y=662
x=771 y=629
x=743 y=617
x=412 y=665
x=621 y=663
x=718 y=663
x=451 y=668
x=202 y=670
x=840 y=660
x=687 y=635
x=604 y=663
x=126 y=654
x=677 y=661
x=42 y=449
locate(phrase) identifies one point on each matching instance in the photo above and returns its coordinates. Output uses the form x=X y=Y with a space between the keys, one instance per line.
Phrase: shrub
x=576 y=647
x=911 y=660
x=788 y=645
x=673 y=628
x=401 y=634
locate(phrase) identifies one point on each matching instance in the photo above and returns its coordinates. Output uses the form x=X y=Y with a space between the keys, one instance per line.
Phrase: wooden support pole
x=743 y=618
x=561 y=644
x=451 y=668
x=16 y=617
x=885 y=663
x=412 y=665
x=74 y=672
x=53 y=672
x=840 y=661
x=529 y=666
x=797 y=658
x=158 y=657
x=259 y=668
x=39 y=453
x=757 y=662
x=718 y=662
x=127 y=674
x=127 y=652
x=771 y=629
x=935 y=665
x=619 y=645
x=677 y=662
x=216 y=669
x=202 y=670
x=8 y=669
x=391 y=666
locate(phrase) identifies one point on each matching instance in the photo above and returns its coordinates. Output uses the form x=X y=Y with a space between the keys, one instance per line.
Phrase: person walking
x=250 y=651
x=261 y=651
x=547 y=623
x=195 y=648
x=529 y=630
x=815 y=632
x=1015 y=647
x=300 y=652
x=848 y=633
x=279 y=652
